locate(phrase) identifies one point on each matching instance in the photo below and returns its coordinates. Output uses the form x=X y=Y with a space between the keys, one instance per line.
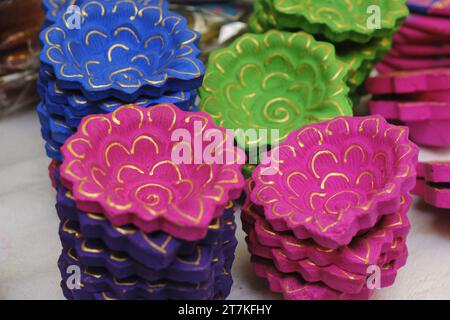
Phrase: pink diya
x=54 y=164
x=335 y=178
x=364 y=251
x=331 y=275
x=428 y=122
x=420 y=50
x=293 y=287
x=411 y=35
x=408 y=63
x=403 y=82
x=433 y=183
x=437 y=26
x=122 y=165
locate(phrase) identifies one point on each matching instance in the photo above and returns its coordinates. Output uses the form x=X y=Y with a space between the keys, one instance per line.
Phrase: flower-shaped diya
x=136 y=166
x=277 y=80
x=356 y=20
x=123 y=50
x=336 y=178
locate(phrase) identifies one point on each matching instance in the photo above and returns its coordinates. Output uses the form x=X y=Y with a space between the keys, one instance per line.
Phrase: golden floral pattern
x=121 y=164
x=277 y=80
x=336 y=178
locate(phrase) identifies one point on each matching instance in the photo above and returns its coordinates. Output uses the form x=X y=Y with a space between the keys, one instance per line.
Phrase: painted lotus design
x=276 y=80
x=122 y=47
x=337 y=178
x=122 y=165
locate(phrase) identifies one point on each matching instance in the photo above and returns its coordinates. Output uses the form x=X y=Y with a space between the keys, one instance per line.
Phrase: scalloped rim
x=71 y=82
x=207 y=92
x=186 y=230
x=330 y=275
x=356 y=219
x=344 y=257
x=350 y=32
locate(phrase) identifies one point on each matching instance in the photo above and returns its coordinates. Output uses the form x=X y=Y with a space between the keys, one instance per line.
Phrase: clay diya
x=407 y=82
x=428 y=122
x=431 y=7
x=341 y=21
x=363 y=251
x=294 y=287
x=336 y=178
x=122 y=165
x=109 y=57
x=433 y=183
x=277 y=80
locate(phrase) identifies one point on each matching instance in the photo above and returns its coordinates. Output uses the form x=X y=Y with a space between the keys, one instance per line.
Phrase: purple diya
x=154 y=250
x=405 y=82
x=96 y=280
x=428 y=122
x=336 y=178
x=194 y=267
x=294 y=287
x=120 y=165
x=410 y=35
x=433 y=183
x=332 y=276
x=364 y=250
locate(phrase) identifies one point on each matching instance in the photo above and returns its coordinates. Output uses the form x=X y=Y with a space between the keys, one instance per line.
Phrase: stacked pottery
x=121 y=52
x=137 y=223
x=331 y=220
x=264 y=86
x=413 y=86
x=360 y=30
x=433 y=183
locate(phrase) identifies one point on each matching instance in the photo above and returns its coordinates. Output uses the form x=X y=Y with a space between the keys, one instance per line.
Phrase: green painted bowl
x=277 y=80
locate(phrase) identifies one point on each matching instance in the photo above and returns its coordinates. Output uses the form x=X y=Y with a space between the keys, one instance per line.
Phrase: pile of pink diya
x=433 y=183
x=330 y=221
x=139 y=222
x=414 y=82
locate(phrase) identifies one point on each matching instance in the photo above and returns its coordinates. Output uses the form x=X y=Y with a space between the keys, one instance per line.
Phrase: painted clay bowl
x=276 y=80
x=111 y=56
x=335 y=178
x=145 y=167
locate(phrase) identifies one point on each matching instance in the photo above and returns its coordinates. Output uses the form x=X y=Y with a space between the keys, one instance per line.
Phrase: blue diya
x=53 y=8
x=122 y=51
x=432 y=7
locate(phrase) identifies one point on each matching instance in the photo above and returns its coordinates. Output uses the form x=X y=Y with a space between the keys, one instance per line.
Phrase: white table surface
x=29 y=243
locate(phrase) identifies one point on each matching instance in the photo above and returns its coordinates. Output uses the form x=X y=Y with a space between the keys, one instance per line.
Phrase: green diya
x=355 y=20
x=277 y=80
x=360 y=58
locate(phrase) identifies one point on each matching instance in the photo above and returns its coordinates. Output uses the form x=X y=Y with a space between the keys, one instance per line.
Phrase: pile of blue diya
x=134 y=223
x=122 y=52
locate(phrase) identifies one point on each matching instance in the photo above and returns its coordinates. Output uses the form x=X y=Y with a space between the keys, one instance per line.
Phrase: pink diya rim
x=434 y=25
x=292 y=287
x=428 y=174
x=428 y=122
x=54 y=164
x=107 y=168
x=332 y=276
x=362 y=252
x=354 y=139
x=415 y=63
x=411 y=111
x=411 y=81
